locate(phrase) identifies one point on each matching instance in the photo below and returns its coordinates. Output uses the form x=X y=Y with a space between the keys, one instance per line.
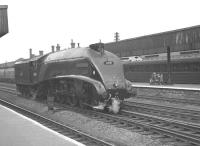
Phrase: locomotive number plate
x=108 y=62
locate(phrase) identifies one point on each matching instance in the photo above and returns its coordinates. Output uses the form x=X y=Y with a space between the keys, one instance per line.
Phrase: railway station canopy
x=3 y=20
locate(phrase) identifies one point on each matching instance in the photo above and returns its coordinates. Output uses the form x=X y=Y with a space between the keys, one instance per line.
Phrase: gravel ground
x=106 y=131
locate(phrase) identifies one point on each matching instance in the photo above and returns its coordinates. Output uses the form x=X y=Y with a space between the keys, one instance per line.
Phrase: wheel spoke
x=72 y=99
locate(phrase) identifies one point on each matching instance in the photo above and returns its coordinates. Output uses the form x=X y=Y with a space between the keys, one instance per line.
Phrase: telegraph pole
x=116 y=37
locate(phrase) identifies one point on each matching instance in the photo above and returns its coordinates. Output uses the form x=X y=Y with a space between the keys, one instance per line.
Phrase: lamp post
x=169 y=80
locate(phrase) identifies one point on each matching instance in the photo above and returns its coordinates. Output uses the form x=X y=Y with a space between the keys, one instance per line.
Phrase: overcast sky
x=38 y=24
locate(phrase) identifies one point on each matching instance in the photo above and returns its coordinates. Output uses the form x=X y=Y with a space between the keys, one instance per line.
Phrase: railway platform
x=181 y=92
x=194 y=87
x=18 y=130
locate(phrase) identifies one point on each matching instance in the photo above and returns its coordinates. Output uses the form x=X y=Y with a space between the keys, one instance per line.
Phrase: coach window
x=127 y=68
x=147 y=68
x=133 y=68
x=195 y=67
x=198 y=66
x=162 y=68
x=174 y=67
x=179 y=67
x=136 y=68
x=35 y=65
x=187 y=67
x=142 y=68
x=31 y=64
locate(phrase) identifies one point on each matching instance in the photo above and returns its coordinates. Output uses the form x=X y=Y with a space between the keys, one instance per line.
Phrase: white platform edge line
x=43 y=127
x=166 y=87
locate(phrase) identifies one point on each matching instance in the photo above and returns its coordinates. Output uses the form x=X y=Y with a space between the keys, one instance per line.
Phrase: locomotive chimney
x=72 y=44
x=52 y=48
x=58 y=47
x=30 y=53
x=41 y=53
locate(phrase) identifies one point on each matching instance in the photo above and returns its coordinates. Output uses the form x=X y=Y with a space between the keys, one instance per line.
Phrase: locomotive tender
x=79 y=77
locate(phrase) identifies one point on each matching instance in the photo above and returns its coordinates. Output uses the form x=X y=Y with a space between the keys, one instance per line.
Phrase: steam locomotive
x=79 y=77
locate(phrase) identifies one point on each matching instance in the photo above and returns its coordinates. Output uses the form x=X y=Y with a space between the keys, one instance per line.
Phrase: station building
x=184 y=67
x=178 y=40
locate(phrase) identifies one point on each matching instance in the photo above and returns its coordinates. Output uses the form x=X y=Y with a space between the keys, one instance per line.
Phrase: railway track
x=190 y=101
x=163 y=111
x=165 y=129
x=11 y=85
x=58 y=127
x=8 y=90
x=168 y=128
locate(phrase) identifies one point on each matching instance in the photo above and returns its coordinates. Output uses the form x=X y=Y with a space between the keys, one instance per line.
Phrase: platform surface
x=173 y=86
x=18 y=130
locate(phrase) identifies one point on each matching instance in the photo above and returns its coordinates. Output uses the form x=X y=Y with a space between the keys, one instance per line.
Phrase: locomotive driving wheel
x=72 y=99
x=82 y=101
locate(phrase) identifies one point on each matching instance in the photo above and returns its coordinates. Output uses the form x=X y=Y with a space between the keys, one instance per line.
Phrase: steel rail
x=173 y=100
x=181 y=132
x=148 y=125
x=145 y=124
x=60 y=128
x=163 y=111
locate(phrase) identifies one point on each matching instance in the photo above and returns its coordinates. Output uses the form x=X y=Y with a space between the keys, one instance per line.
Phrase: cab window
x=83 y=68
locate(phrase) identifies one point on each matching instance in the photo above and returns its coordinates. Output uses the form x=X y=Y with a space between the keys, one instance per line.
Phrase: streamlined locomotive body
x=79 y=76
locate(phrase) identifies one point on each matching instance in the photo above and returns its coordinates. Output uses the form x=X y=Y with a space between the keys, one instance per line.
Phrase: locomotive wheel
x=23 y=94
x=82 y=102
x=61 y=99
x=72 y=99
x=93 y=97
x=33 y=95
